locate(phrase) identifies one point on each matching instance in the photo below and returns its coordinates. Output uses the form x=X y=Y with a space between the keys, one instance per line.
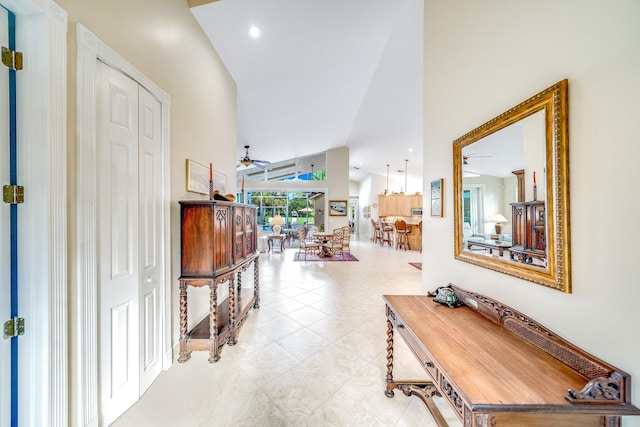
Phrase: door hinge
x=11 y=58
x=13 y=194
x=13 y=327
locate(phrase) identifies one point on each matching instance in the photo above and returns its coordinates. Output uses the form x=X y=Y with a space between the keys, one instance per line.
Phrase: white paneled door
x=151 y=237
x=5 y=235
x=128 y=150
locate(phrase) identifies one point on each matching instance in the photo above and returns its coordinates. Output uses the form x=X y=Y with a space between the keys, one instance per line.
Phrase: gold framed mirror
x=511 y=191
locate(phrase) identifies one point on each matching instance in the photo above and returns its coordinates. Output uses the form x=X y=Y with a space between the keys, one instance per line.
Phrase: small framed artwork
x=197 y=177
x=437 y=187
x=337 y=207
x=219 y=182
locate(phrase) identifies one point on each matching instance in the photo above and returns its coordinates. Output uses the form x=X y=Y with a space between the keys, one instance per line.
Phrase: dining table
x=323 y=239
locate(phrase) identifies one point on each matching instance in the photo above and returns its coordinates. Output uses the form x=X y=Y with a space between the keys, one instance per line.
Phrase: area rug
x=313 y=257
x=417 y=265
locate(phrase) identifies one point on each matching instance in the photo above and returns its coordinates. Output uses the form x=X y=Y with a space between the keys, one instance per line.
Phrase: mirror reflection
x=497 y=177
x=511 y=191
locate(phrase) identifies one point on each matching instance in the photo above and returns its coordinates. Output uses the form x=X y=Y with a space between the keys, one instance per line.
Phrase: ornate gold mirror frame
x=553 y=267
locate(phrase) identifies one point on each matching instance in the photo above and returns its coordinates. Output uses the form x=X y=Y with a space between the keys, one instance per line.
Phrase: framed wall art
x=198 y=178
x=337 y=207
x=437 y=188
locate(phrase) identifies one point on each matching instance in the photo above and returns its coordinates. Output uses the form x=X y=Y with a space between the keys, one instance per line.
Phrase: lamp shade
x=498 y=218
x=277 y=220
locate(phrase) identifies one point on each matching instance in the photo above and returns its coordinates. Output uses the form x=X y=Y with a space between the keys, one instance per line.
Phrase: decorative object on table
x=230 y=197
x=437 y=187
x=347 y=256
x=242 y=200
x=337 y=207
x=535 y=187
x=210 y=181
x=499 y=219
x=217 y=196
x=446 y=295
x=198 y=178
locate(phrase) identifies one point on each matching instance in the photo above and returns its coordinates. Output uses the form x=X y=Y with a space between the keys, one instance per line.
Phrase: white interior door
x=151 y=259
x=130 y=240
x=118 y=250
x=5 y=269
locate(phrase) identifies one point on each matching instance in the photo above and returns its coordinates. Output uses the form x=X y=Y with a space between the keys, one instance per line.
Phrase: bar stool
x=420 y=228
x=377 y=232
x=387 y=234
x=402 y=234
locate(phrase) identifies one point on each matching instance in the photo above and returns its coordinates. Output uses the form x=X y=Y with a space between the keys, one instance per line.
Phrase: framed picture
x=337 y=207
x=436 y=197
x=220 y=182
x=198 y=179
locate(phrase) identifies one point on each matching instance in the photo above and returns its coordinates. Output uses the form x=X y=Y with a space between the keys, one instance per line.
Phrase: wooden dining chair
x=346 y=240
x=335 y=245
x=306 y=246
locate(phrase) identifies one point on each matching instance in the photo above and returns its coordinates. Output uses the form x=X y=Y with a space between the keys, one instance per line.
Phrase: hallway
x=314 y=354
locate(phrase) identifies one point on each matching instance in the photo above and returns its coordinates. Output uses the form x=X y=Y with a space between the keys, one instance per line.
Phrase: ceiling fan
x=248 y=161
x=465 y=159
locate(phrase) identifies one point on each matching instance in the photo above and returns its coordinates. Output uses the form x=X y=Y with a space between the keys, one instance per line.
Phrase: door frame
x=41 y=34
x=91 y=49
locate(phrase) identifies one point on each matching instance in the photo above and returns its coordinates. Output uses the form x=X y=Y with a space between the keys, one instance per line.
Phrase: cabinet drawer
x=418 y=350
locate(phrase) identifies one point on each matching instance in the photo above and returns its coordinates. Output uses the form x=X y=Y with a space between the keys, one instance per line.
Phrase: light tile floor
x=314 y=354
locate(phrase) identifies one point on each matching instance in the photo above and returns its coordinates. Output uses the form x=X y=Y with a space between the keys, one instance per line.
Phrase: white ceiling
x=325 y=74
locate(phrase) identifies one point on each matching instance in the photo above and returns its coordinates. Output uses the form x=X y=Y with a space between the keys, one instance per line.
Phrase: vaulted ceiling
x=325 y=74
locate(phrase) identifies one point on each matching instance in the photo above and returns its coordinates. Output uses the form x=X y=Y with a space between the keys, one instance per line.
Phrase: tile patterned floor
x=312 y=355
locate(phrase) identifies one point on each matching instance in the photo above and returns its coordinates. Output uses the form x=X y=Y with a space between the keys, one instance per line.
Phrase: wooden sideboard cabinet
x=497 y=367
x=218 y=243
x=528 y=236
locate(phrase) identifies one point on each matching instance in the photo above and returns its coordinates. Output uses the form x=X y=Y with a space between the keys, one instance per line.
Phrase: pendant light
x=406 y=189
x=386 y=190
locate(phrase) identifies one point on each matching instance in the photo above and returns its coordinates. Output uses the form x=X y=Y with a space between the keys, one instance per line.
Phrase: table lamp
x=498 y=219
x=276 y=222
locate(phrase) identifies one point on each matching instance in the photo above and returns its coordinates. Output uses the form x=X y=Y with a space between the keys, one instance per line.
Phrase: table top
x=498 y=243
x=489 y=364
x=323 y=235
x=277 y=236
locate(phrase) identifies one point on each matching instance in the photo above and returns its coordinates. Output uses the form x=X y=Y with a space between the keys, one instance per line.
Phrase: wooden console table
x=497 y=367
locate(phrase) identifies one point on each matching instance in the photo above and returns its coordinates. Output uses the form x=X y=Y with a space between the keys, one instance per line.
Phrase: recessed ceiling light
x=254 y=32
x=411 y=150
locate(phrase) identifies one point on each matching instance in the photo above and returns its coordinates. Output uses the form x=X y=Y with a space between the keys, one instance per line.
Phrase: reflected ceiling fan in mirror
x=465 y=159
x=248 y=161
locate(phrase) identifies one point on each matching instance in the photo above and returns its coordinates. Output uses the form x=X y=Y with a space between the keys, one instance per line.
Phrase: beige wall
x=162 y=40
x=482 y=58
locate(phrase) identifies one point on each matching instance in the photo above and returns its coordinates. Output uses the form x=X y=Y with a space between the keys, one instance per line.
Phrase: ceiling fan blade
x=266 y=162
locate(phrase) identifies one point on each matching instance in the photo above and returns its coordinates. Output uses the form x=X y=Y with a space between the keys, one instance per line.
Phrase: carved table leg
x=184 y=354
x=239 y=287
x=256 y=282
x=232 y=311
x=214 y=353
x=389 y=379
